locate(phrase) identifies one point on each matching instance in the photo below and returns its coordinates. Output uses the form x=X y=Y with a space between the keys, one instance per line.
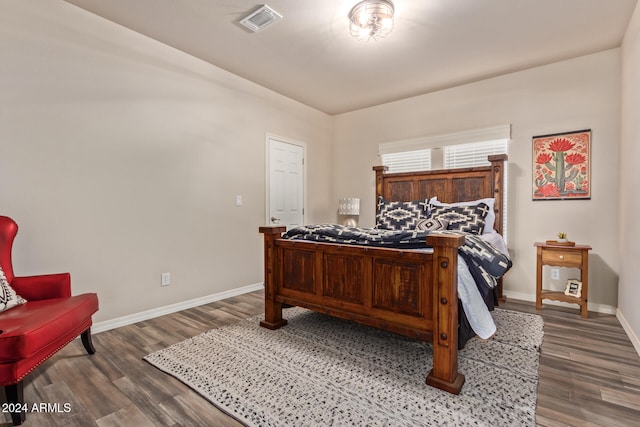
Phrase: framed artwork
x=574 y=288
x=562 y=166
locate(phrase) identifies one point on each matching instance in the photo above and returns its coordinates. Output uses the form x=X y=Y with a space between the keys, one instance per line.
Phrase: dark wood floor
x=589 y=373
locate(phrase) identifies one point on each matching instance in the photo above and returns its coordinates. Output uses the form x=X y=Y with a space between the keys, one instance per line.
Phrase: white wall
x=121 y=158
x=571 y=95
x=629 y=297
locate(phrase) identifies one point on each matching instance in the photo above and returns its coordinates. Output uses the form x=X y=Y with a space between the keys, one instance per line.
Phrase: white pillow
x=490 y=218
x=8 y=297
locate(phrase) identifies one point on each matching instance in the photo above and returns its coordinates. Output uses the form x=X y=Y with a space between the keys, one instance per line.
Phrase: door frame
x=269 y=136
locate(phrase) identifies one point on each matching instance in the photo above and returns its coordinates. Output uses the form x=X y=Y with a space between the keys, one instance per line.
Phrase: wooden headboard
x=450 y=185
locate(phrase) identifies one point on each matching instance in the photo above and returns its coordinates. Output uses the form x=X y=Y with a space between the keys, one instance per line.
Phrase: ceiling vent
x=261 y=18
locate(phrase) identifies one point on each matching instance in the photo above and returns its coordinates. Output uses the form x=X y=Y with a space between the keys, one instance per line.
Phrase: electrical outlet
x=165 y=279
x=555 y=274
x=238 y=200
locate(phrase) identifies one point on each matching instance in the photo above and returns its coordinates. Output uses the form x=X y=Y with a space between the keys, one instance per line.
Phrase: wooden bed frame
x=403 y=291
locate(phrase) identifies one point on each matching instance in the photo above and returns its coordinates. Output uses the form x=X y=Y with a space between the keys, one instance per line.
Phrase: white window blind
x=472 y=154
x=425 y=153
x=408 y=161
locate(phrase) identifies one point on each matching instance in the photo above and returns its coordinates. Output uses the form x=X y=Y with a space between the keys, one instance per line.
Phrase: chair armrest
x=46 y=286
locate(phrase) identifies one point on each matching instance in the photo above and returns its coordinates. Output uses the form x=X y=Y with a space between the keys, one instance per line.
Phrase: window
x=472 y=154
x=408 y=161
x=454 y=150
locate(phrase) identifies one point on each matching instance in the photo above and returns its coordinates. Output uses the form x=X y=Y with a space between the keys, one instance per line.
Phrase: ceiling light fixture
x=371 y=19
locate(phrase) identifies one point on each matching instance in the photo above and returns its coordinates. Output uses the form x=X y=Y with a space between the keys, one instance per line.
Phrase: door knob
x=274 y=219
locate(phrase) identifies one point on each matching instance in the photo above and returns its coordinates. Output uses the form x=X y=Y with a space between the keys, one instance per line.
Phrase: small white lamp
x=349 y=208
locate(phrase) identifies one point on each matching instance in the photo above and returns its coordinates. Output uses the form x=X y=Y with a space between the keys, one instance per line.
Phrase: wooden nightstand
x=563 y=256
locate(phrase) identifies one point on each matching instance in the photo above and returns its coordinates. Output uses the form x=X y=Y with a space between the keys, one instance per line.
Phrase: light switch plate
x=165 y=279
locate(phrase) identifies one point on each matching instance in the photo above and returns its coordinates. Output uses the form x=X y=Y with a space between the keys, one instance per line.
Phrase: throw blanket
x=334 y=233
x=486 y=263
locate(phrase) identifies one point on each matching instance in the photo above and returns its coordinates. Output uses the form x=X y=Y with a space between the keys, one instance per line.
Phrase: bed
x=406 y=291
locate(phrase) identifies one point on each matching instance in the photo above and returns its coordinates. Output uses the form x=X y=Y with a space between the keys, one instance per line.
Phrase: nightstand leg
x=539 y=279
x=584 y=278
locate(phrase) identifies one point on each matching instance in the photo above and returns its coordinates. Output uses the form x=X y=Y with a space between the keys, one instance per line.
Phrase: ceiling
x=310 y=56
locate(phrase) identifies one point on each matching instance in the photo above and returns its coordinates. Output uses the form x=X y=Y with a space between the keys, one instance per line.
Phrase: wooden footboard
x=403 y=291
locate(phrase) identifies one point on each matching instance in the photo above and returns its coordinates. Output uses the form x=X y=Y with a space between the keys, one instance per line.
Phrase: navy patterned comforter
x=486 y=263
x=335 y=233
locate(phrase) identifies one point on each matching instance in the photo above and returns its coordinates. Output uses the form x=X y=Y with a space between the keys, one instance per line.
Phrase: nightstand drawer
x=565 y=258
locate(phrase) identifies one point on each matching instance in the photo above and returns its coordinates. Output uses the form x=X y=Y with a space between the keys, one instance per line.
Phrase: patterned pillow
x=432 y=224
x=8 y=297
x=400 y=215
x=489 y=220
x=462 y=218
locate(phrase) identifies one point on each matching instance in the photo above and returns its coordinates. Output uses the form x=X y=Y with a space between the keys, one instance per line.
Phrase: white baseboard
x=598 y=308
x=168 y=309
x=630 y=333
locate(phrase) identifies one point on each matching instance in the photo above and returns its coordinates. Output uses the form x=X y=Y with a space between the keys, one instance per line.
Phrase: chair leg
x=86 y=341
x=15 y=398
x=15 y=392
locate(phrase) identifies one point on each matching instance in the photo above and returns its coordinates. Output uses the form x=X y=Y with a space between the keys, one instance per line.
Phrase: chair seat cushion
x=26 y=329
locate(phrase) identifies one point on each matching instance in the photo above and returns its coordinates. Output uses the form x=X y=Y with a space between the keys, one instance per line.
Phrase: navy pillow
x=462 y=218
x=400 y=215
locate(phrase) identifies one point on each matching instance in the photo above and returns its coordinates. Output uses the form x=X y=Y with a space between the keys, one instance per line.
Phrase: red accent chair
x=34 y=331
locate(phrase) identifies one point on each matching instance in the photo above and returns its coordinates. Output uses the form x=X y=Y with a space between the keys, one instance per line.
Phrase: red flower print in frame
x=562 y=166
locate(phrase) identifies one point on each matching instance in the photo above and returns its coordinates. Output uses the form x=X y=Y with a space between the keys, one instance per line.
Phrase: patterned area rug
x=319 y=370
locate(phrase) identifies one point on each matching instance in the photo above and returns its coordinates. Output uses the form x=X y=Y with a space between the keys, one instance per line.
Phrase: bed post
x=444 y=374
x=272 y=308
x=380 y=170
x=497 y=181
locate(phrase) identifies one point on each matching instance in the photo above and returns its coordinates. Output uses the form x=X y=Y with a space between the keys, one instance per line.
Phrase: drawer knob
x=561 y=256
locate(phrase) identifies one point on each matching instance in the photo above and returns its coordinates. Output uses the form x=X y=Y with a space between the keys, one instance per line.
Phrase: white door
x=286 y=183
